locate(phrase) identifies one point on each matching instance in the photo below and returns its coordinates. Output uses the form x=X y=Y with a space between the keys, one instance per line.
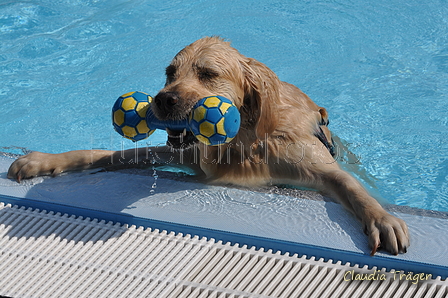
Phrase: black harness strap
x=321 y=136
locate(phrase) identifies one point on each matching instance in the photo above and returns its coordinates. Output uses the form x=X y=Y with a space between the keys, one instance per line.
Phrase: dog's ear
x=261 y=100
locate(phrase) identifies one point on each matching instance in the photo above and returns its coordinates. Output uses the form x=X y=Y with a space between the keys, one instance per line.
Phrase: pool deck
x=303 y=217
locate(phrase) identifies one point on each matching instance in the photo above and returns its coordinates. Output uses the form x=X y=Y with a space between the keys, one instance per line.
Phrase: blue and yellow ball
x=214 y=120
x=129 y=115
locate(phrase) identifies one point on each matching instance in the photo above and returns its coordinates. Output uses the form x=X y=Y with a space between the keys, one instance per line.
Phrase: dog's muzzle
x=169 y=106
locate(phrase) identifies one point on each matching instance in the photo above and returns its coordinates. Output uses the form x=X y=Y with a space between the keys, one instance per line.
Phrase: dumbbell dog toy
x=214 y=120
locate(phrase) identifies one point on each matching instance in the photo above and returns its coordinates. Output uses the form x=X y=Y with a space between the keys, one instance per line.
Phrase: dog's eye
x=170 y=73
x=206 y=74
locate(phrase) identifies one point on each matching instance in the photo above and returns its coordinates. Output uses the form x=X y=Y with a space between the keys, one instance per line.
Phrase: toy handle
x=153 y=123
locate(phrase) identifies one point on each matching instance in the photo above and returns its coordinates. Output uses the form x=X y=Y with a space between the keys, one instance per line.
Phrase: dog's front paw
x=34 y=164
x=387 y=232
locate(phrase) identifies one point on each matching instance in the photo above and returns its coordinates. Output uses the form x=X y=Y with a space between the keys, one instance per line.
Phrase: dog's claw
x=373 y=252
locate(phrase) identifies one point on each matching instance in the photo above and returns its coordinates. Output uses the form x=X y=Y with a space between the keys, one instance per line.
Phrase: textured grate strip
x=46 y=254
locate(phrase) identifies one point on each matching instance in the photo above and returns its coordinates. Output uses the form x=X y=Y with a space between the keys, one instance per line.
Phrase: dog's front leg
x=158 y=155
x=383 y=229
x=40 y=164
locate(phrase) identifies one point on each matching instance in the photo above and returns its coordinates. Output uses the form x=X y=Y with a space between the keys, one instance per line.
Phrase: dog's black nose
x=166 y=99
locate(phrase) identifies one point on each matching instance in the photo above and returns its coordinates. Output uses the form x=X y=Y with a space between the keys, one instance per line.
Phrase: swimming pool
x=380 y=69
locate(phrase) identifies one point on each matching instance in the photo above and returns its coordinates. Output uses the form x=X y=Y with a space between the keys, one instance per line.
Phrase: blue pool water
x=381 y=70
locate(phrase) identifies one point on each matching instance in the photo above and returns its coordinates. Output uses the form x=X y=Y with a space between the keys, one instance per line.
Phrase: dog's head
x=210 y=66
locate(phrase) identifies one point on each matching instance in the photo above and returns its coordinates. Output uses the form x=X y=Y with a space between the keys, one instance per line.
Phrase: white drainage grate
x=43 y=254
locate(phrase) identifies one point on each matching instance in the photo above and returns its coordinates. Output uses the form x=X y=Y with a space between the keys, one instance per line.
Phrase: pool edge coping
x=319 y=252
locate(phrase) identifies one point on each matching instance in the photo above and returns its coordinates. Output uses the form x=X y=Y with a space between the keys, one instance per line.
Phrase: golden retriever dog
x=283 y=138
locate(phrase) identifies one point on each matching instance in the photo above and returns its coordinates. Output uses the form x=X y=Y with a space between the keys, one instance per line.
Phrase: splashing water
x=154 y=171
